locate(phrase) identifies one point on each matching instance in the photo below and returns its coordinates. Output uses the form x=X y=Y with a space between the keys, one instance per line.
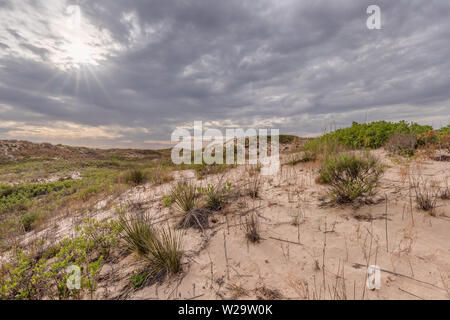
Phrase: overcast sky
x=134 y=70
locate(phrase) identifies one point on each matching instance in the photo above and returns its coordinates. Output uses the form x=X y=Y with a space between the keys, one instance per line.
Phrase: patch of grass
x=426 y=194
x=135 y=176
x=252 y=228
x=252 y=185
x=139 y=279
x=167 y=201
x=160 y=175
x=351 y=175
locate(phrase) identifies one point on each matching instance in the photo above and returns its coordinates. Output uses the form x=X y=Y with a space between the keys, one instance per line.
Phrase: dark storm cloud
x=295 y=65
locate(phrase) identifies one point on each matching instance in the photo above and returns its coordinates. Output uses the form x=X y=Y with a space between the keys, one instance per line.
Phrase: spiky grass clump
x=165 y=252
x=137 y=233
x=159 y=246
x=351 y=175
x=184 y=196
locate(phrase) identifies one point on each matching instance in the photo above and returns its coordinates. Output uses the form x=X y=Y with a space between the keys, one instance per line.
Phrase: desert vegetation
x=138 y=226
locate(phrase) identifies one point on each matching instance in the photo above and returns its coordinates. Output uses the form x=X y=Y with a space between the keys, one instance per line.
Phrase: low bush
x=351 y=175
x=160 y=175
x=426 y=194
x=402 y=143
x=135 y=176
x=31 y=276
x=368 y=135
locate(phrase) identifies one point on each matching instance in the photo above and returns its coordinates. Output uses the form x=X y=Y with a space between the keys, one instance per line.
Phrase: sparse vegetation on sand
x=351 y=175
x=252 y=228
x=41 y=272
x=146 y=248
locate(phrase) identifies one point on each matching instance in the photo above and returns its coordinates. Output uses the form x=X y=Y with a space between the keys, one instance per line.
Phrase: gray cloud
x=145 y=67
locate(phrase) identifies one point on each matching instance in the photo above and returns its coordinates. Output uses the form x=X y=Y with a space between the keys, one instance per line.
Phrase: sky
x=127 y=73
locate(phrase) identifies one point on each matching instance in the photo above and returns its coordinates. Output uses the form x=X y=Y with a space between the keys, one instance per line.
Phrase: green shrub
x=167 y=201
x=351 y=175
x=26 y=276
x=216 y=195
x=28 y=220
x=138 y=279
x=372 y=135
x=135 y=176
x=20 y=197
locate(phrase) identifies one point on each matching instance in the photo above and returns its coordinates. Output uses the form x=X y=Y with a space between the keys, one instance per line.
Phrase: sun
x=78 y=53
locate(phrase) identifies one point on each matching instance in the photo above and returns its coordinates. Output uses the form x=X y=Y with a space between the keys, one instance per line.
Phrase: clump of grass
x=138 y=279
x=135 y=176
x=321 y=148
x=164 y=252
x=137 y=233
x=252 y=228
x=184 y=196
x=445 y=192
x=160 y=175
x=252 y=185
x=351 y=175
x=426 y=195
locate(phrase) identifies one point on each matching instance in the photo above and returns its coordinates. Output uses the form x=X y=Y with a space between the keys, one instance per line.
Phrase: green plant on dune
x=351 y=175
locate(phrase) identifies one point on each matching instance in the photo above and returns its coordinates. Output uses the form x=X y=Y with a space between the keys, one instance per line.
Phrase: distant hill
x=11 y=150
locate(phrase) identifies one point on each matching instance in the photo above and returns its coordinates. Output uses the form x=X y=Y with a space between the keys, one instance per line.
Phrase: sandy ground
x=309 y=249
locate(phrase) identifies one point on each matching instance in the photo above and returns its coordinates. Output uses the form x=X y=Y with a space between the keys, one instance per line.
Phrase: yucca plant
x=138 y=233
x=164 y=252
x=184 y=196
